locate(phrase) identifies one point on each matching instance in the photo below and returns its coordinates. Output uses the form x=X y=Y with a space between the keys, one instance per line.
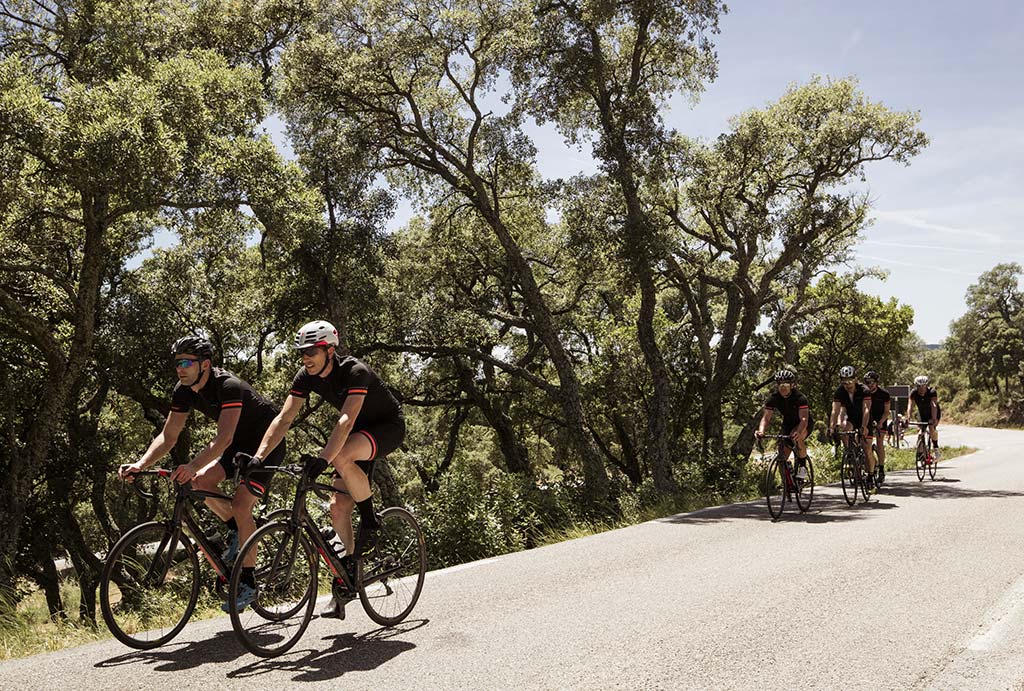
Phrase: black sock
x=231 y=524
x=249 y=576
x=366 y=512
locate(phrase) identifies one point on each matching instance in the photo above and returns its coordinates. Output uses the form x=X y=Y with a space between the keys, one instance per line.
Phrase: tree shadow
x=829 y=506
x=176 y=657
x=349 y=652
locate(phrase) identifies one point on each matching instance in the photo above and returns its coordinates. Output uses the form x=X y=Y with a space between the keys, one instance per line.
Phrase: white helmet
x=318 y=333
x=921 y=381
x=847 y=372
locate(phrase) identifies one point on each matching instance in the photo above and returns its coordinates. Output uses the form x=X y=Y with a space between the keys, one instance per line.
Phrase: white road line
x=1009 y=617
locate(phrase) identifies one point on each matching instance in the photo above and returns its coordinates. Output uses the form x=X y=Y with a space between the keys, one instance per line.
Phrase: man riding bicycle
x=853 y=398
x=881 y=400
x=928 y=409
x=371 y=425
x=796 y=421
x=242 y=417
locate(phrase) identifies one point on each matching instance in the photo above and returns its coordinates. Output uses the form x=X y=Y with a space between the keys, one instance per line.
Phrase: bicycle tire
x=863 y=474
x=267 y=614
x=848 y=477
x=278 y=581
x=919 y=461
x=933 y=467
x=390 y=579
x=775 y=489
x=805 y=492
x=136 y=628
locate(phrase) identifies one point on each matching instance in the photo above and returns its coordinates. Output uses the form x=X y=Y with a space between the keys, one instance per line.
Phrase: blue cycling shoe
x=246 y=595
x=231 y=551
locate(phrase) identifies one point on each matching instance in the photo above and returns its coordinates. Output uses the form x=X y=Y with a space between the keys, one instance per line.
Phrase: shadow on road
x=348 y=652
x=176 y=657
x=830 y=507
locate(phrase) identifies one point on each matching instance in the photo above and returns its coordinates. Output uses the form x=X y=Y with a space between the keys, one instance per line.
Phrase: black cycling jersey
x=878 y=400
x=854 y=403
x=350 y=377
x=790 y=407
x=924 y=404
x=224 y=391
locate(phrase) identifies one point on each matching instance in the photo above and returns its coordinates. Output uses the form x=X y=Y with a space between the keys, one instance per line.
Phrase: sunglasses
x=185 y=363
x=848 y=381
x=309 y=352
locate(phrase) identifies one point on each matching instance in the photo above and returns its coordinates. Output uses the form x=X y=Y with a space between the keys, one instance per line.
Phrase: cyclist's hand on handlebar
x=758 y=433
x=183 y=473
x=127 y=471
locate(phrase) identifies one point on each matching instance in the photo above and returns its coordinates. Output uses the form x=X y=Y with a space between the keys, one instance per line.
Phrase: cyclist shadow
x=177 y=657
x=349 y=652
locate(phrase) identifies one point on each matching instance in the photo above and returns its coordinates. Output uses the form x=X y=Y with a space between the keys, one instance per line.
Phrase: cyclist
x=796 y=419
x=242 y=417
x=854 y=399
x=371 y=425
x=928 y=409
x=881 y=401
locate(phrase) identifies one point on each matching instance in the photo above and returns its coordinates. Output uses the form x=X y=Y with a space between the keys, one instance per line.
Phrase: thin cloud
x=944 y=248
x=913 y=220
x=914 y=265
x=852 y=41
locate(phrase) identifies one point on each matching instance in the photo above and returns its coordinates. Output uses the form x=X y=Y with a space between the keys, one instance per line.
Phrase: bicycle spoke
x=391 y=578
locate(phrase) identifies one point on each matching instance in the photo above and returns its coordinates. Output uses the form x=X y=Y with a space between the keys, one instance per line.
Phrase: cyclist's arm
x=910 y=402
x=227 y=421
x=164 y=441
x=888 y=409
x=349 y=412
x=865 y=413
x=765 y=419
x=935 y=410
x=801 y=426
x=836 y=405
x=280 y=425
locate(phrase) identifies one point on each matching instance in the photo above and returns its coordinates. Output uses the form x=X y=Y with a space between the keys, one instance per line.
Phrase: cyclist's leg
x=207 y=480
x=880 y=443
x=248 y=496
x=933 y=429
x=352 y=478
x=869 y=456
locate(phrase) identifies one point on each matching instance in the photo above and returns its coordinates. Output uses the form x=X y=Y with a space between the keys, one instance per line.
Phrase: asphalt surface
x=923 y=587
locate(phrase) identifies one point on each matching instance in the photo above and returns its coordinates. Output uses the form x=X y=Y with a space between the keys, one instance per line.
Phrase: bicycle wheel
x=775 y=488
x=919 y=461
x=391 y=577
x=849 y=478
x=805 y=490
x=286 y=576
x=149 y=585
x=933 y=467
x=863 y=475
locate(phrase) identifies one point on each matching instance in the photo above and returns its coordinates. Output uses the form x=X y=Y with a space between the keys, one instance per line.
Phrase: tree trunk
x=387 y=487
x=512 y=449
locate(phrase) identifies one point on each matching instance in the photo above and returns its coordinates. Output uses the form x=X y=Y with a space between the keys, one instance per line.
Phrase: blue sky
x=955 y=211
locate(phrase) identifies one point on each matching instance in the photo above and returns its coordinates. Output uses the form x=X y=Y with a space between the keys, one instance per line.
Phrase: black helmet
x=872 y=376
x=785 y=376
x=193 y=345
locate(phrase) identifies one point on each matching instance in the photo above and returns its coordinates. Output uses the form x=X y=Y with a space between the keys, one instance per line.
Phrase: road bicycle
x=151 y=577
x=853 y=468
x=925 y=458
x=780 y=481
x=387 y=581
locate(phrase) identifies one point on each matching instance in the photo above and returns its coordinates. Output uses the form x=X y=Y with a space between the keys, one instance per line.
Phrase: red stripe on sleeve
x=235 y=404
x=358 y=391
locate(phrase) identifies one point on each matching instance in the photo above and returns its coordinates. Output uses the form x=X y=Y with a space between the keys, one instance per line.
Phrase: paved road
x=922 y=588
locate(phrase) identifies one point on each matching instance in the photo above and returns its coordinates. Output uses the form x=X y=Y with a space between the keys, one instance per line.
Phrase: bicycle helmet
x=785 y=376
x=847 y=372
x=316 y=333
x=872 y=376
x=193 y=345
x=921 y=381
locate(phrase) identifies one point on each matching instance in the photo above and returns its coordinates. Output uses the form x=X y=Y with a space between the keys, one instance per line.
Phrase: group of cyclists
x=251 y=430
x=856 y=406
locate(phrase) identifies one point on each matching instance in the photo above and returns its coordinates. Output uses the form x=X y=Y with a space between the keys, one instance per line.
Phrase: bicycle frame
x=181 y=517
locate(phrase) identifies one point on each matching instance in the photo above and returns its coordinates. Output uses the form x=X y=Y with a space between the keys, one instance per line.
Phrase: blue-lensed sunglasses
x=185 y=363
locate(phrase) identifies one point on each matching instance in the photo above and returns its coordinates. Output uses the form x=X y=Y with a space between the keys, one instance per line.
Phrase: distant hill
x=934 y=346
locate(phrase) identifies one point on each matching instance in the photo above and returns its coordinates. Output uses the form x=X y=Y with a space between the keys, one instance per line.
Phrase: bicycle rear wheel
x=149 y=585
x=805 y=490
x=391 y=577
x=848 y=478
x=286 y=576
x=919 y=461
x=775 y=488
x=933 y=467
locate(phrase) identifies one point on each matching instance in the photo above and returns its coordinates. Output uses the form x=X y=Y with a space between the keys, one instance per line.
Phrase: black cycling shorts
x=789 y=430
x=384 y=438
x=875 y=425
x=926 y=414
x=259 y=480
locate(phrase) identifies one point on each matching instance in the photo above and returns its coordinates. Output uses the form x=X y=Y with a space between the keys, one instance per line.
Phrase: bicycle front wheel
x=391 y=577
x=775 y=488
x=805 y=489
x=933 y=467
x=149 y=585
x=919 y=461
x=286 y=579
x=849 y=478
